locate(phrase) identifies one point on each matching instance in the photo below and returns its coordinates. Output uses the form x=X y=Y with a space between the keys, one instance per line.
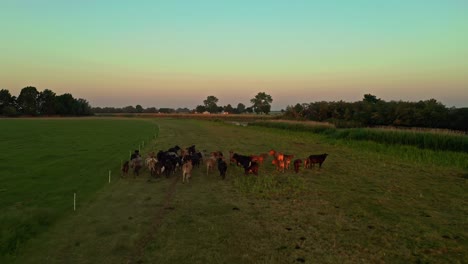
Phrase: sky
x=176 y=53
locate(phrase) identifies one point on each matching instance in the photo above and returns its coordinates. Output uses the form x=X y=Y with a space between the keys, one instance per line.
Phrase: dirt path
x=142 y=243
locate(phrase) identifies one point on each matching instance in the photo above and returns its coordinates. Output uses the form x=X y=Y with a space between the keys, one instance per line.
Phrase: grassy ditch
x=420 y=139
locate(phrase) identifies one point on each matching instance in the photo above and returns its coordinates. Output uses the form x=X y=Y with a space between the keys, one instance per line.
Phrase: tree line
x=261 y=104
x=373 y=111
x=31 y=102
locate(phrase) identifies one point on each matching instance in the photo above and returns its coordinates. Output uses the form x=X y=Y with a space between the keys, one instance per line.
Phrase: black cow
x=174 y=149
x=191 y=150
x=196 y=159
x=244 y=161
x=222 y=167
x=313 y=159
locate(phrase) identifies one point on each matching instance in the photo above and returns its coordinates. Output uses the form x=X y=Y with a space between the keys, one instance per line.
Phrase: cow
x=252 y=168
x=210 y=164
x=175 y=149
x=280 y=164
x=187 y=171
x=241 y=160
x=297 y=164
x=276 y=155
x=314 y=159
x=125 y=168
x=222 y=167
x=169 y=168
x=196 y=159
x=258 y=158
x=191 y=150
x=231 y=159
x=136 y=165
x=287 y=160
x=151 y=164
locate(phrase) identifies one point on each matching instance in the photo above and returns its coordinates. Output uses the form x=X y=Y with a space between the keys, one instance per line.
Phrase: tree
x=369 y=98
x=28 y=100
x=129 y=109
x=182 y=110
x=150 y=110
x=9 y=111
x=6 y=100
x=228 y=109
x=82 y=107
x=240 y=108
x=65 y=104
x=139 y=109
x=261 y=103
x=211 y=104
x=200 y=108
x=46 y=102
x=166 y=110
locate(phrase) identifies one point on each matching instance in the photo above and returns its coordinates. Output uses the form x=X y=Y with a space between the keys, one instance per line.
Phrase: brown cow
x=258 y=159
x=125 y=168
x=287 y=160
x=276 y=155
x=210 y=164
x=279 y=165
x=187 y=171
x=297 y=164
x=253 y=168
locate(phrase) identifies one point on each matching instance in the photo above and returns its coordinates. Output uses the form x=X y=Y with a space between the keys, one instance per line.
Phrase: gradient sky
x=176 y=53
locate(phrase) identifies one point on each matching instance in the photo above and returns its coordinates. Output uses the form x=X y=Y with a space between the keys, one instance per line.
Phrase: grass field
x=43 y=162
x=368 y=204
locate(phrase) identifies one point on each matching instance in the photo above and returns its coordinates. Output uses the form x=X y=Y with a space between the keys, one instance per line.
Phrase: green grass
x=424 y=140
x=43 y=162
x=367 y=204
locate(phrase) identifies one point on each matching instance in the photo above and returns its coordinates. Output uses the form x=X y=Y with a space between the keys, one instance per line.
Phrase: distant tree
x=200 y=108
x=82 y=107
x=65 y=105
x=166 y=110
x=261 y=103
x=211 y=104
x=139 y=109
x=369 y=98
x=228 y=109
x=459 y=118
x=129 y=109
x=9 y=111
x=150 y=110
x=249 y=110
x=182 y=110
x=46 y=101
x=6 y=100
x=28 y=100
x=240 y=108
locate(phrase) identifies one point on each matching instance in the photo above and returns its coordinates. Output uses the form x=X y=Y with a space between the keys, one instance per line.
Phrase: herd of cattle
x=178 y=159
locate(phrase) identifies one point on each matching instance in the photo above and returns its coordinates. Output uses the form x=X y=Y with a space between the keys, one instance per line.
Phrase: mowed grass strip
x=362 y=206
x=43 y=162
